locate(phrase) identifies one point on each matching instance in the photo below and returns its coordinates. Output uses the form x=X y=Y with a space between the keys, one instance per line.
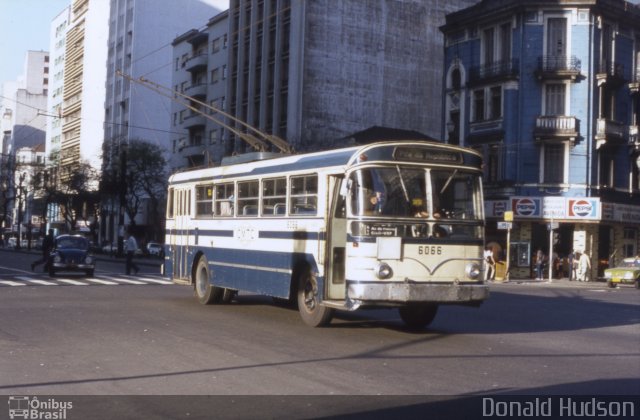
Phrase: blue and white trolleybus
x=390 y=224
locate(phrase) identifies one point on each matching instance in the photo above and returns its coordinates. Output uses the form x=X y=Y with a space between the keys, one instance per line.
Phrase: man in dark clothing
x=47 y=244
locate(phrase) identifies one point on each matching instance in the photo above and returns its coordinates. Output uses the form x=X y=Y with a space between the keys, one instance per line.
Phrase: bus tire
x=205 y=292
x=312 y=312
x=418 y=316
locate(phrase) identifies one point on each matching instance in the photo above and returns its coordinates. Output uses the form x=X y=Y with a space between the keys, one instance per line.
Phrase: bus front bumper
x=405 y=292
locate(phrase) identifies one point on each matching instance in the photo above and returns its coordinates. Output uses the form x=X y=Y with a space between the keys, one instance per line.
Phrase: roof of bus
x=301 y=162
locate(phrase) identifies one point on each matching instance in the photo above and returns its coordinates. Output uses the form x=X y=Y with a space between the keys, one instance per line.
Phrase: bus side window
x=274 y=196
x=304 y=195
x=204 y=200
x=248 y=193
x=224 y=195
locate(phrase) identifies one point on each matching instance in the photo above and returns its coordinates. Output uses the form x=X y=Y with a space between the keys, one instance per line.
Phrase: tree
x=146 y=178
x=77 y=193
x=7 y=187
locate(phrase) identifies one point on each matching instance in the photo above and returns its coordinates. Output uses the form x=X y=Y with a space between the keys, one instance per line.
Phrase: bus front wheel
x=206 y=292
x=313 y=313
x=418 y=316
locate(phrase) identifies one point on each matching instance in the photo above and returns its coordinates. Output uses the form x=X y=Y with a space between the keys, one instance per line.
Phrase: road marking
x=127 y=280
x=165 y=282
x=99 y=281
x=42 y=282
x=11 y=283
x=74 y=282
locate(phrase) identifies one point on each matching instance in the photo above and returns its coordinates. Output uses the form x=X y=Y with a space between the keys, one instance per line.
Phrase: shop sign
x=526 y=207
x=621 y=212
x=554 y=207
x=583 y=208
x=495 y=208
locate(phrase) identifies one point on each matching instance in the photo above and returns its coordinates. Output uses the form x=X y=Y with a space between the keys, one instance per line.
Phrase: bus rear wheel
x=313 y=313
x=206 y=292
x=418 y=316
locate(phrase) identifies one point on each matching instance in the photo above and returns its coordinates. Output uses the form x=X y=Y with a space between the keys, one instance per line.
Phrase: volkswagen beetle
x=71 y=253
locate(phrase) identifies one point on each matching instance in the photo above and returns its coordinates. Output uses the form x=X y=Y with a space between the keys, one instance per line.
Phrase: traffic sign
x=504 y=225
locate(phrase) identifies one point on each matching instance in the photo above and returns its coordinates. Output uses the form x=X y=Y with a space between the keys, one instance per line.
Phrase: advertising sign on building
x=583 y=208
x=526 y=207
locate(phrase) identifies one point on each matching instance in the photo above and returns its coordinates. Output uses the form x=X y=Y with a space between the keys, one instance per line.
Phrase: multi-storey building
x=139 y=45
x=57 y=37
x=83 y=90
x=312 y=73
x=200 y=74
x=548 y=92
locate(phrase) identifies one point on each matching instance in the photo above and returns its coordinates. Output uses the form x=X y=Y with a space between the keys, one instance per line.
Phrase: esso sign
x=581 y=208
x=525 y=207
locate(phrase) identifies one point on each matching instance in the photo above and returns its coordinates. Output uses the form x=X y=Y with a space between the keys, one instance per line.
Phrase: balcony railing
x=611 y=68
x=197 y=90
x=557 y=126
x=495 y=70
x=196 y=63
x=558 y=66
x=194 y=120
x=609 y=129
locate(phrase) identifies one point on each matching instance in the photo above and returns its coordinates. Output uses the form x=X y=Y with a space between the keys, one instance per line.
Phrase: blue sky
x=24 y=26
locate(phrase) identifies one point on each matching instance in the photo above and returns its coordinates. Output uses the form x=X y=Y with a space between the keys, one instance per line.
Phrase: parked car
x=109 y=248
x=71 y=253
x=626 y=273
x=155 y=249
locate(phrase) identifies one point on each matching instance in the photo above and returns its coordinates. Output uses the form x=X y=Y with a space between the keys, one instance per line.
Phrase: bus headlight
x=383 y=271
x=88 y=260
x=57 y=258
x=472 y=270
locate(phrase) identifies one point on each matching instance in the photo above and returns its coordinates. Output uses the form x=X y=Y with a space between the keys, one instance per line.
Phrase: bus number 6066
x=429 y=250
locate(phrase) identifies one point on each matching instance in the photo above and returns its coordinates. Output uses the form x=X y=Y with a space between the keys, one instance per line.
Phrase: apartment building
x=548 y=92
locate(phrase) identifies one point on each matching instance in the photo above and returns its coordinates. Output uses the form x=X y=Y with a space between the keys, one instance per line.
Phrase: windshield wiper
x=446 y=184
x=404 y=188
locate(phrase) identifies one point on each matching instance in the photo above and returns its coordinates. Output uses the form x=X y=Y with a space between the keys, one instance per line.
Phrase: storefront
x=558 y=226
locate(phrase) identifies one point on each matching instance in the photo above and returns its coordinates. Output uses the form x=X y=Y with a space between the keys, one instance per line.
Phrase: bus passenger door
x=336 y=240
x=181 y=236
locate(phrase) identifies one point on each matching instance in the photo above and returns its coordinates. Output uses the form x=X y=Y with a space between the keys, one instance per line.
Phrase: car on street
x=155 y=249
x=109 y=248
x=626 y=273
x=71 y=253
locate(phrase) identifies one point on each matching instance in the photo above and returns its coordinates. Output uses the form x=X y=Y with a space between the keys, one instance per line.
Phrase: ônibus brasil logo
x=525 y=207
x=582 y=208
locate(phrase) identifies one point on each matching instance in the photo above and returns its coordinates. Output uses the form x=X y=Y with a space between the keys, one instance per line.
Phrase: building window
x=555 y=99
x=215 y=75
x=213 y=136
x=488 y=45
x=554 y=157
x=496 y=102
x=478 y=105
x=606 y=169
x=557 y=37
x=494 y=162
x=216 y=44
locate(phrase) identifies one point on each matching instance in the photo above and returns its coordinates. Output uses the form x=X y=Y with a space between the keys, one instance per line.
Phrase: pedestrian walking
x=540 y=257
x=584 y=266
x=47 y=245
x=490 y=265
x=132 y=246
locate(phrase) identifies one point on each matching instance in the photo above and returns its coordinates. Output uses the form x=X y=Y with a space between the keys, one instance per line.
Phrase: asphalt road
x=154 y=339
